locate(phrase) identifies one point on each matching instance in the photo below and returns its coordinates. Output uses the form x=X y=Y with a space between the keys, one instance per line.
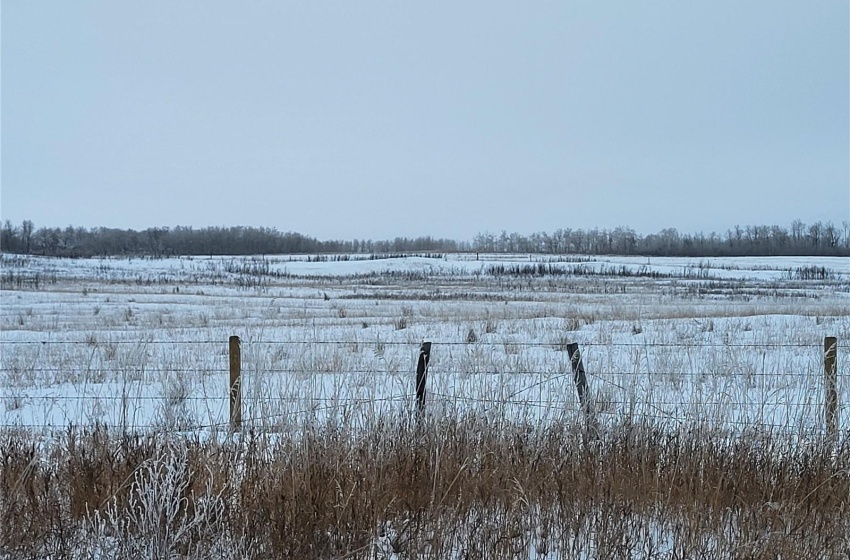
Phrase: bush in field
x=813 y=273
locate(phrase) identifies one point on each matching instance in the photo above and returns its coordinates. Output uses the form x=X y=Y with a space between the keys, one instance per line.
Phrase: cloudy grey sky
x=381 y=119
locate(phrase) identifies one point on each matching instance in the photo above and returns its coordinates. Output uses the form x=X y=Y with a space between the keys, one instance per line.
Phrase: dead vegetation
x=464 y=486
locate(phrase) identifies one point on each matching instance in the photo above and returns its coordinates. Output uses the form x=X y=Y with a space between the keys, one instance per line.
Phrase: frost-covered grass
x=140 y=344
x=719 y=357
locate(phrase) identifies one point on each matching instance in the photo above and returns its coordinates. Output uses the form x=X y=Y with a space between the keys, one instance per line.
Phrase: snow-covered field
x=142 y=344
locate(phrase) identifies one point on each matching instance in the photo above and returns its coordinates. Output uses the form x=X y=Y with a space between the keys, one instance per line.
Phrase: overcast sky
x=382 y=119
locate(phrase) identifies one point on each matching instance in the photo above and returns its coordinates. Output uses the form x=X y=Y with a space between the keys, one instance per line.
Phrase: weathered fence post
x=830 y=371
x=579 y=376
x=422 y=374
x=235 y=384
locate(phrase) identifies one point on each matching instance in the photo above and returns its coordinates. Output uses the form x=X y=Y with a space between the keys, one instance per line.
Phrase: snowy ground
x=141 y=344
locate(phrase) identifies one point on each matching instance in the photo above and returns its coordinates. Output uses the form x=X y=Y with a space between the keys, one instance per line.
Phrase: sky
x=373 y=120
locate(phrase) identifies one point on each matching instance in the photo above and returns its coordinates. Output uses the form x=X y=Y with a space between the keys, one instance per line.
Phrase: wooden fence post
x=235 y=384
x=579 y=376
x=422 y=374
x=830 y=371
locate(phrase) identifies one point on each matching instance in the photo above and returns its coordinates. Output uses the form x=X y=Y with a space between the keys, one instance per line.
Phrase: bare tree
x=26 y=235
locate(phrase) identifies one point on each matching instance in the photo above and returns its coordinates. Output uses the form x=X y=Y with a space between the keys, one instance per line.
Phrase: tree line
x=817 y=239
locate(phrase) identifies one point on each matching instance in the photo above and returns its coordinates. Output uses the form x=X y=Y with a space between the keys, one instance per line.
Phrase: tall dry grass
x=452 y=486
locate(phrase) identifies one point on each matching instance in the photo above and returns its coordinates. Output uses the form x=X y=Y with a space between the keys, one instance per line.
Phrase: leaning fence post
x=235 y=384
x=579 y=376
x=830 y=371
x=422 y=374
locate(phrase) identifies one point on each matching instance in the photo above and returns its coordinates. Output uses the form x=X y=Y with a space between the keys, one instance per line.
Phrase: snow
x=142 y=343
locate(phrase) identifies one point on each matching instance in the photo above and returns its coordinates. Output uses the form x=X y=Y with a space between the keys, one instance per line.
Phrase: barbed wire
x=347 y=400
x=555 y=345
x=266 y=424
x=256 y=420
x=435 y=371
x=756 y=419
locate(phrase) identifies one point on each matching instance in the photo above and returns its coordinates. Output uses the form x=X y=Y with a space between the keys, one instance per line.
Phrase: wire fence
x=187 y=386
x=767 y=345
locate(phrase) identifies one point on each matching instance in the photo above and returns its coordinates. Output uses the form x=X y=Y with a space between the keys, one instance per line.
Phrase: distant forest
x=818 y=239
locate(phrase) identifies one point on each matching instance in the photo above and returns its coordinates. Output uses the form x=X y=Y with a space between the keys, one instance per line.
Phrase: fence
x=177 y=385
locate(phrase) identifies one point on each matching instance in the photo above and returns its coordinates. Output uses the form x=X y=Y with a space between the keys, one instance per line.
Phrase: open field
x=143 y=343
x=706 y=383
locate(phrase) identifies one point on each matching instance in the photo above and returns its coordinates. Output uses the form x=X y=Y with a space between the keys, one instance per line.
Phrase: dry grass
x=459 y=486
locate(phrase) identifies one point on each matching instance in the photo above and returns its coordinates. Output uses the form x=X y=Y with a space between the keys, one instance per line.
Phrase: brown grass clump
x=452 y=487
